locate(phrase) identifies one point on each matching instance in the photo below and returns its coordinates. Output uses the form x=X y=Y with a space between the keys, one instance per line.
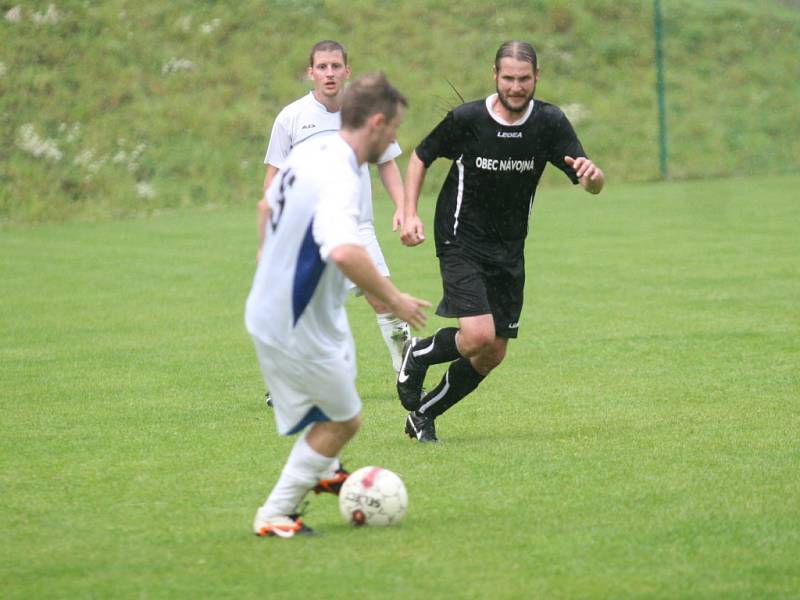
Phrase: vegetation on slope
x=121 y=107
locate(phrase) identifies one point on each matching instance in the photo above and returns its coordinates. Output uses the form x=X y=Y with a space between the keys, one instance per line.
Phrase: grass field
x=641 y=439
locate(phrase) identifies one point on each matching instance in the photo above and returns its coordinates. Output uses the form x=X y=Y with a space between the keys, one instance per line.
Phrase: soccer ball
x=373 y=496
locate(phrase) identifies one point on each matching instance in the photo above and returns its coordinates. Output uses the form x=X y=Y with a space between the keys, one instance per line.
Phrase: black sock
x=458 y=381
x=439 y=348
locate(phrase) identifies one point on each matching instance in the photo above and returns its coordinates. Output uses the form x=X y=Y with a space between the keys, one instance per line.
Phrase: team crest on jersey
x=509 y=134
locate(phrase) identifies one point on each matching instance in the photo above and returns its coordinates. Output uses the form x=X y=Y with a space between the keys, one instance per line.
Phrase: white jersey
x=297 y=299
x=307 y=119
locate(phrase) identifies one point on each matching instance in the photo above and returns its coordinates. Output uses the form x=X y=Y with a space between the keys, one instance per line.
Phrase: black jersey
x=485 y=201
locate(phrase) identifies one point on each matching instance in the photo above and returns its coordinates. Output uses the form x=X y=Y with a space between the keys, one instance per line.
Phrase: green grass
x=640 y=440
x=137 y=133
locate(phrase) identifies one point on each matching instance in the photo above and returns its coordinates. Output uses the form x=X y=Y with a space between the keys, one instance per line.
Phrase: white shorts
x=373 y=248
x=305 y=391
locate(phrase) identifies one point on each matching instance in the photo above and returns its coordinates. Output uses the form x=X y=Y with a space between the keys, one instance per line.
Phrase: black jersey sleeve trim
x=563 y=142
x=443 y=141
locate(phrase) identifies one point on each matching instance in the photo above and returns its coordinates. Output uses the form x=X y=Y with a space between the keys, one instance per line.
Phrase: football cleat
x=332 y=485
x=410 y=378
x=401 y=333
x=421 y=428
x=283 y=526
x=268 y=399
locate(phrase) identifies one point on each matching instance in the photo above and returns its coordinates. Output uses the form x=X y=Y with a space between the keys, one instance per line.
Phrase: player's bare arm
x=393 y=182
x=263 y=208
x=270 y=174
x=589 y=174
x=412 y=232
x=356 y=264
x=264 y=213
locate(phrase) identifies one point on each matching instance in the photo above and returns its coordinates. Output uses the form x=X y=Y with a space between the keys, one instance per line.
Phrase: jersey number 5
x=287 y=181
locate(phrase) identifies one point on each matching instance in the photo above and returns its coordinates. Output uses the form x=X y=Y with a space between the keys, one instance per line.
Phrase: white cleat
x=283 y=526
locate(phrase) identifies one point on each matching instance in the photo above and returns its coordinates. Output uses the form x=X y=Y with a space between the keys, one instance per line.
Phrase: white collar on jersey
x=319 y=104
x=490 y=103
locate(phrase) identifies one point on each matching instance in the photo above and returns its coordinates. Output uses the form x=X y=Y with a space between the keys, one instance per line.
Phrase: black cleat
x=420 y=428
x=410 y=378
x=268 y=399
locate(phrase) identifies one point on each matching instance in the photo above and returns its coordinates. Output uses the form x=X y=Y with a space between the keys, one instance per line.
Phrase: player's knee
x=350 y=427
x=487 y=362
x=491 y=356
x=475 y=343
x=341 y=430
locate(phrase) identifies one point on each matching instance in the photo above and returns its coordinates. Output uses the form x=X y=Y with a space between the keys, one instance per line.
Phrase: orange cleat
x=334 y=484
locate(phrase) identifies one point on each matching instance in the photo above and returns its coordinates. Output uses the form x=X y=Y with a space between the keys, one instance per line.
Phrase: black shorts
x=472 y=287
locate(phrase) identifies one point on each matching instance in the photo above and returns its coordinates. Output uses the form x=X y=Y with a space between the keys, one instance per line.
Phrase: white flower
x=209 y=27
x=37 y=146
x=133 y=157
x=74 y=133
x=51 y=17
x=87 y=161
x=85 y=158
x=97 y=165
x=576 y=113
x=565 y=55
x=144 y=190
x=14 y=15
x=177 y=64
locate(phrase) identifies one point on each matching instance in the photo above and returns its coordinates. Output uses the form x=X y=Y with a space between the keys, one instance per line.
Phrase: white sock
x=395 y=333
x=304 y=468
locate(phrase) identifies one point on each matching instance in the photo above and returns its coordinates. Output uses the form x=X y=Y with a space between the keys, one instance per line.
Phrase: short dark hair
x=368 y=95
x=326 y=46
x=518 y=50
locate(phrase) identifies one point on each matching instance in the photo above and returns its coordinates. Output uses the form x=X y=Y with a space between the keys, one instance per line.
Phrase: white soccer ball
x=373 y=496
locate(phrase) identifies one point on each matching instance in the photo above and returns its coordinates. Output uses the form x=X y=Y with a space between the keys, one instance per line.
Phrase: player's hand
x=589 y=174
x=412 y=232
x=584 y=167
x=397 y=220
x=410 y=310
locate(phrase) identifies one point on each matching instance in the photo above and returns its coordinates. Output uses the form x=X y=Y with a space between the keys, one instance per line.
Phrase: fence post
x=662 y=107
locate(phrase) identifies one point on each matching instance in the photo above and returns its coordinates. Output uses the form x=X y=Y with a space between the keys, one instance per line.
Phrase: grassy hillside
x=119 y=107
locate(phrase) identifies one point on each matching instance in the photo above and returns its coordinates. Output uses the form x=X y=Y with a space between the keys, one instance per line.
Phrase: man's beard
x=374 y=154
x=511 y=108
